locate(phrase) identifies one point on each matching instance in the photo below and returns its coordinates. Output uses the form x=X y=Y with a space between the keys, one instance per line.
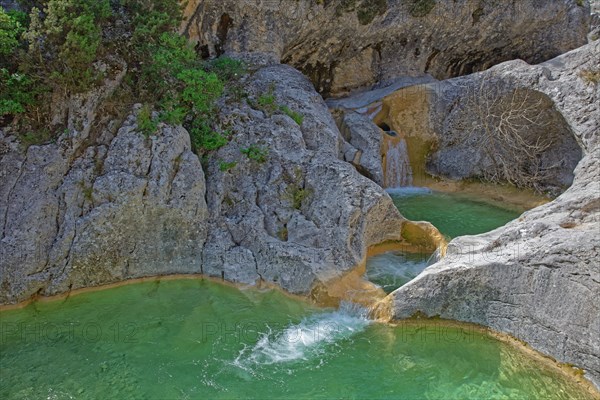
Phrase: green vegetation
x=11 y=29
x=296 y=116
x=267 y=102
x=420 y=8
x=225 y=166
x=256 y=153
x=146 y=123
x=64 y=47
x=369 y=9
x=296 y=195
x=295 y=192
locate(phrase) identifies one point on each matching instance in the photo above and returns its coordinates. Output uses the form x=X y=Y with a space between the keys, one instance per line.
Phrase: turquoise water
x=394 y=269
x=453 y=214
x=194 y=339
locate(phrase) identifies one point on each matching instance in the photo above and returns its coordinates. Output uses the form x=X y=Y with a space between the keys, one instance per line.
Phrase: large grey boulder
x=537 y=278
x=346 y=44
x=300 y=216
x=126 y=207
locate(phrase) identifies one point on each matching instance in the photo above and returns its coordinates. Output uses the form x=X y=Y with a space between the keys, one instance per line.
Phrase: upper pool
x=454 y=214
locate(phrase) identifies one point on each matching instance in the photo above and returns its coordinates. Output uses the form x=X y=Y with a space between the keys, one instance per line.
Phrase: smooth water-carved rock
x=345 y=44
x=129 y=208
x=537 y=278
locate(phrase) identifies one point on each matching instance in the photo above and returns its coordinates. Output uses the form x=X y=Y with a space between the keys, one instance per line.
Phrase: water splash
x=310 y=338
x=398 y=172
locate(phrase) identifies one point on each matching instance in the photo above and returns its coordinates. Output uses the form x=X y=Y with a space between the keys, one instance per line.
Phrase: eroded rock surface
x=301 y=215
x=537 y=278
x=126 y=207
x=345 y=44
x=279 y=205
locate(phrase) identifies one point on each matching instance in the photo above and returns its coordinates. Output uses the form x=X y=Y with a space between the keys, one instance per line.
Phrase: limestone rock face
x=361 y=145
x=126 y=207
x=538 y=277
x=297 y=215
x=346 y=44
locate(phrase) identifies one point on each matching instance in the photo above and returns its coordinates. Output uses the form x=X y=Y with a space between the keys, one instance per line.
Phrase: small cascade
x=396 y=164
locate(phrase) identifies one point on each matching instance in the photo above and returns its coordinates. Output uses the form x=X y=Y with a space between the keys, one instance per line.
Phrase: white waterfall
x=398 y=172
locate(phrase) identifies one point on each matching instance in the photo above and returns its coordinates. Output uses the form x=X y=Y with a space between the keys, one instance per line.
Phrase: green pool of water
x=193 y=339
x=453 y=214
x=394 y=269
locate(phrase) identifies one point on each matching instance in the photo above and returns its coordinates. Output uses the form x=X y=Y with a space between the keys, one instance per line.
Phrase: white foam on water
x=306 y=340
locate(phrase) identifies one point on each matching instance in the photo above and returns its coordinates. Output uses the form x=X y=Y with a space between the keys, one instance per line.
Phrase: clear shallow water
x=394 y=269
x=453 y=214
x=197 y=339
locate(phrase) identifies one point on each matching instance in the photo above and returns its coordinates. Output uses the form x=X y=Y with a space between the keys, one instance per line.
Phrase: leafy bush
x=67 y=37
x=15 y=92
x=228 y=69
x=65 y=41
x=225 y=166
x=296 y=116
x=10 y=31
x=146 y=123
x=256 y=153
x=296 y=195
x=369 y=9
x=266 y=101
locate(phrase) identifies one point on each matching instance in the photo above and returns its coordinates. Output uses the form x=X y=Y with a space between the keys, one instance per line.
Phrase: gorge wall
x=103 y=206
x=346 y=44
x=538 y=277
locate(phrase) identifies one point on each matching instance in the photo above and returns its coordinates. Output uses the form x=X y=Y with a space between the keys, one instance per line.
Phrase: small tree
x=511 y=127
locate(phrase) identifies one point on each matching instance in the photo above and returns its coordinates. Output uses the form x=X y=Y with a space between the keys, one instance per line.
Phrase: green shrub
x=200 y=90
x=204 y=138
x=296 y=195
x=225 y=166
x=256 y=153
x=227 y=69
x=16 y=92
x=296 y=116
x=56 y=49
x=266 y=102
x=146 y=123
x=10 y=31
x=68 y=41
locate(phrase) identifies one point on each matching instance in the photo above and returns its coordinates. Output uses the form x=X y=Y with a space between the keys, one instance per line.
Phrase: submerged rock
x=346 y=44
x=537 y=278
